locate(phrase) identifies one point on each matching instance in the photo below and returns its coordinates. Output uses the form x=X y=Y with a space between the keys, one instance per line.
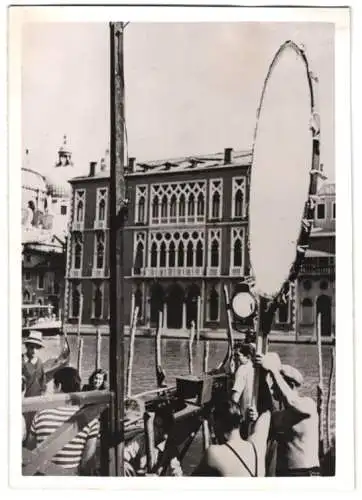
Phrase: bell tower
x=64 y=155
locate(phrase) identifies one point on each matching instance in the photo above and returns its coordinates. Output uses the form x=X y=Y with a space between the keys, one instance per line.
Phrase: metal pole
x=118 y=204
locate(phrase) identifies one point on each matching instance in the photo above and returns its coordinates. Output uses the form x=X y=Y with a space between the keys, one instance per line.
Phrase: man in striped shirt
x=78 y=453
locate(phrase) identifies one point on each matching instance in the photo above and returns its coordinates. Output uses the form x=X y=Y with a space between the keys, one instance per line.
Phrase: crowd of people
x=277 y=437
x=78 y=456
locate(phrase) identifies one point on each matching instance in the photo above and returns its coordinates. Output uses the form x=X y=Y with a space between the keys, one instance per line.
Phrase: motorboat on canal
x=40 y=317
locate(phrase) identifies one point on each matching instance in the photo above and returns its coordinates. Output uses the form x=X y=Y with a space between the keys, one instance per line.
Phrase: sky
x=190 y=88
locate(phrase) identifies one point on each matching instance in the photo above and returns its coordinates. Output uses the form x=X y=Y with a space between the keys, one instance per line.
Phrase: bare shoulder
x=309 y=403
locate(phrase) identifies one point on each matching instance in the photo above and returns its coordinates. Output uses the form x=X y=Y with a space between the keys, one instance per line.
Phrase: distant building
x=185 y=237
x=316 y=282
x=45 y=212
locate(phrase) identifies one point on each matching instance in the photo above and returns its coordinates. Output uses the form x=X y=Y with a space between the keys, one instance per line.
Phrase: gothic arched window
x=78 y=250
x=164 y=207
x=213 y=305
x=199 y=254
x=98 y=302
x=154 y=255
x=100 y=250
x=138 y=264
x=171 y=255
x=307 y=311
x=155 y=208
x=237 y=253
x=79 y=214
x=191 y=205
x=173 y=206
x=190 y=254
x=215 y=206
x=182 y=206
x=180 y=255
x=239 y=204
x=163 y=254
x=215 y=254
x=283 y=312
x=141 y=210
x=102 y=209
x=75 y=302
x=200 y=204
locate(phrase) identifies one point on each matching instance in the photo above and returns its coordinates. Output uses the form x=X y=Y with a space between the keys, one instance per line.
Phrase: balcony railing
x=100 y=224
x=169 y=272
x=312 y=269
x=75 y=273
x=213 y=271
x=98 y=273
x=181 y=219
x=78 y=225
x=237 y=271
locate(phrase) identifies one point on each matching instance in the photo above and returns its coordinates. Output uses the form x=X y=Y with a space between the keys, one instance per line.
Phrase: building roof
x=191 y=163
x=310 y=253
x=173 y=165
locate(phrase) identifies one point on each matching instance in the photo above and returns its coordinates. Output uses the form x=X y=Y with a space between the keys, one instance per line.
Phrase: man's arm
x=89 y=451
x=43 y=382
x=259 y=436
x=239 y=384
x=299 y=404
x=30 y=442
x=271 y=363
x=90 y=445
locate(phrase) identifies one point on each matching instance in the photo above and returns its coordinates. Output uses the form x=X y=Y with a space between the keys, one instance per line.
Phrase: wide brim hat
x=291 y=373
x=35 y=337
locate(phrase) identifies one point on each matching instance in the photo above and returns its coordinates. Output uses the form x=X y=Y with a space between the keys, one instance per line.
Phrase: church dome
x=32 y=180
x=58 y=185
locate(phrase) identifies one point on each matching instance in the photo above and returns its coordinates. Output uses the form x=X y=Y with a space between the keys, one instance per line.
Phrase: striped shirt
x=46 y=422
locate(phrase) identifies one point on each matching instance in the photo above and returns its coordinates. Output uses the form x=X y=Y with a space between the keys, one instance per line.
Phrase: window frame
x=235 y=189
x=42 y=273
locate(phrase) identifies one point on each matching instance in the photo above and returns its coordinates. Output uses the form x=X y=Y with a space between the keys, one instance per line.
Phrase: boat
x=41 y=318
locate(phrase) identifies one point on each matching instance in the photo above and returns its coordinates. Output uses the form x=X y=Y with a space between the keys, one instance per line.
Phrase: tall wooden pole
x=118 y=206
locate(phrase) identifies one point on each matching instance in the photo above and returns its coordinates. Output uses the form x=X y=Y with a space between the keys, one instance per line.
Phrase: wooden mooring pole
x=320 y=389
x=118 y=209
x=133 y=328
x=98 y=349
x=80 y=356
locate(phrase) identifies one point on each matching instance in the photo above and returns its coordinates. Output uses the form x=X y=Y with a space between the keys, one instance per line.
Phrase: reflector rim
x=306 y=217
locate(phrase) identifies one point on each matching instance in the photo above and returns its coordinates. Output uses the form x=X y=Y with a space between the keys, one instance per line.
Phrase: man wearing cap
x=296 y=426
x=32 y=369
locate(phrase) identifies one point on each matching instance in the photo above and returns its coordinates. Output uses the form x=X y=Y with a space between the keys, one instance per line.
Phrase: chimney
x=131 y=164
x=228 y=155
x=92 y=168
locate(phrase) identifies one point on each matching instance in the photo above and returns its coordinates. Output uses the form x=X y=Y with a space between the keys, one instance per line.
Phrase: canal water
x=175 y=362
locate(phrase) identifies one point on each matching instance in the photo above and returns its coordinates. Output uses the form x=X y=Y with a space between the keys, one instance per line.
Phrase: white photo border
x=344 y=479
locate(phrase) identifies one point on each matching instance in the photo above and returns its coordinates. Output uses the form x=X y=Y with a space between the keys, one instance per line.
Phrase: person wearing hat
x=32 y=369
x=295 y=427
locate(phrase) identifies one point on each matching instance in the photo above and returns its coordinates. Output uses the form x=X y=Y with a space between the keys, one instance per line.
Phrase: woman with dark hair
x=234 y=456
x=97 y=381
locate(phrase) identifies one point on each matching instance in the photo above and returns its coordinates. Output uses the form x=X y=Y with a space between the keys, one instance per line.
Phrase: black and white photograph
x=177 y=187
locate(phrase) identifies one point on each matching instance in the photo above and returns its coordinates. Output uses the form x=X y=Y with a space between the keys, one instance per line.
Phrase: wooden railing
x=92 y=404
